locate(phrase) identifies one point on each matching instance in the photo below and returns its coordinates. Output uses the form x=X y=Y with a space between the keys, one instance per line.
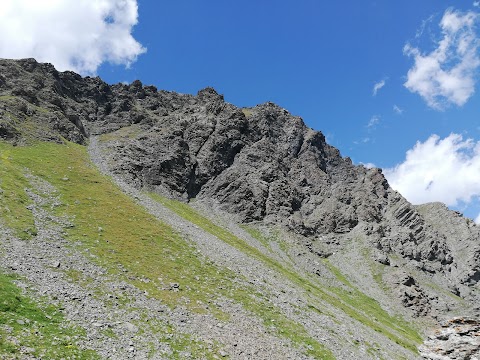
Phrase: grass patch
x=13 y=198
x=356 y=299
x=108 y=222
x=129 y=241
x=40 y=329
x=11 y=99
x=6 y=98
x=20 y=118
x=129 y=132
x=257 y=234
x=247 y=112
x=354 y=303
x=196 y=349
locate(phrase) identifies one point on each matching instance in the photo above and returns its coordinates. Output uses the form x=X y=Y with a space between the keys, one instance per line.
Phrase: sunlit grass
x=111 y=226
x=13 y=198
x=42 y=329
x=353 y=302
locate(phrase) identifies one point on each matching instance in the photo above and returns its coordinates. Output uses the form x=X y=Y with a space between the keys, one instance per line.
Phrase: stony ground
x=292 y=301
x=122 y=322
x=259 y=164
x=457 y=339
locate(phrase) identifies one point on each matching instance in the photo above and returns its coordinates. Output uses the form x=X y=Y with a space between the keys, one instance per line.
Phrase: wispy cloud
x=374 y=120
x=368 y=165
x=476 y=3
x=362 y=141
x=73 y=35
x=377 y=86
x=446 y=170
x=423 y=26
x=398 y=110
x=446 y=75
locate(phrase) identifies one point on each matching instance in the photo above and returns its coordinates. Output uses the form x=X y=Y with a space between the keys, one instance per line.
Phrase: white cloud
x=398 y=110
x=446 y=170
x=378 y=86
x=374 y=120
x=425 y=24
x=368 y=165
x=476 y=4
x=362 y=141
x=477 y=219
x=76 y=35
x=446 y=75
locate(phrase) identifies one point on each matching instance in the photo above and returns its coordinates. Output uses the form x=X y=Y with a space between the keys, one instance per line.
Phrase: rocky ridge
x=258 y=165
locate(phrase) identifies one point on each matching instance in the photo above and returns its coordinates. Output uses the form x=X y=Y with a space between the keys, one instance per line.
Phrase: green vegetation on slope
x=120 y=232
x=13 y=198
x=40 y=331
x=353 y=302
x=21 y=124
x=358 y=300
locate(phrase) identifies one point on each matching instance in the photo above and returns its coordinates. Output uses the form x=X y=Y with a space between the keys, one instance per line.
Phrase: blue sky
x=375 y=77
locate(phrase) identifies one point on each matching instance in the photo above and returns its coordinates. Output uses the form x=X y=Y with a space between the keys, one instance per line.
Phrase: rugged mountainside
x=263 y=168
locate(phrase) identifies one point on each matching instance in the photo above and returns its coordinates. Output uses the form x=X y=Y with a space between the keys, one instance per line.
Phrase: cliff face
x=262 y=165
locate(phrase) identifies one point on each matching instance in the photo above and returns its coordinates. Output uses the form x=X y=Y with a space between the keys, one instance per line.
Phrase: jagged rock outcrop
x=410 y=293
x=259 y=164
x=457 y=339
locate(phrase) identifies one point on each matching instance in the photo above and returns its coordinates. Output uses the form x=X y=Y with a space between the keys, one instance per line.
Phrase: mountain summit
x=283 y=197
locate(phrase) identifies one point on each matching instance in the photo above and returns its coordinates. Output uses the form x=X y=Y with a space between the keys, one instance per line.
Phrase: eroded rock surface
x=458 y=338
x=260 y=164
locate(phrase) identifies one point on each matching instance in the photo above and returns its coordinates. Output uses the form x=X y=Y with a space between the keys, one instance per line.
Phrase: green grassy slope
x=28 y=327
x=352 y=301
x=118 y=231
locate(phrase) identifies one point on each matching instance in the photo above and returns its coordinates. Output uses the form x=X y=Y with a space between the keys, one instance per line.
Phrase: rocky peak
x=209 y=94
x=260 y=164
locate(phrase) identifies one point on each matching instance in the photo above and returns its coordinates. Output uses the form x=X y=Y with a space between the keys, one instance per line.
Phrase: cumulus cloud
x=447 y=74
x=446 y=170
x=377 y=86
x=76 y=35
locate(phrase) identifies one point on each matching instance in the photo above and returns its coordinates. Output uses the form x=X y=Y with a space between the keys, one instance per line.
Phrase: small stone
x=174 y=286
x=29 y=350
x=222 y=353
x=20 y=322
x=131 y=328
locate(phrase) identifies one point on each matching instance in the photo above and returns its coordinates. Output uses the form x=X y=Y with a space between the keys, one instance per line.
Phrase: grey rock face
x=410 y=293
x=458 y=338
x=260 y=164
